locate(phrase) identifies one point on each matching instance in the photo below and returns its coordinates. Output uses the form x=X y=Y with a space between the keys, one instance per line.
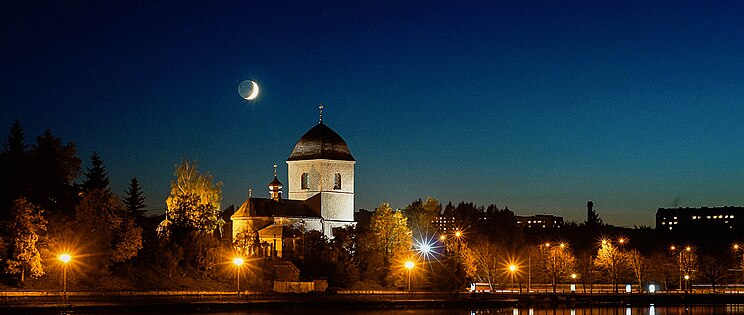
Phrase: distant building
x=698 y=219
x=444 y=224
x=542 y=221
x=447 y=224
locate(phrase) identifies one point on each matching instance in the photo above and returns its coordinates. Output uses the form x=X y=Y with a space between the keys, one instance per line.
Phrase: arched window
x=337 y=181
x=305 y=181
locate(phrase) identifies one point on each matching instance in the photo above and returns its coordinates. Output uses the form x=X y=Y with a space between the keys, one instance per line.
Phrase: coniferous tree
x=134 y=200
x=96 y=176
x=13 y=163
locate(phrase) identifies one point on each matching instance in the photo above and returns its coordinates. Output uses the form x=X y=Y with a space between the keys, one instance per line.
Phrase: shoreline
x=94 y=302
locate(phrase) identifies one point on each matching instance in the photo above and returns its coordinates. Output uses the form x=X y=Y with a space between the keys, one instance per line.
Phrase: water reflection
x=734 y=309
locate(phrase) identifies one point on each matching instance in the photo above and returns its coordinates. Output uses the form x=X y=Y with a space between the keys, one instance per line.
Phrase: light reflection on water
x=735 y=309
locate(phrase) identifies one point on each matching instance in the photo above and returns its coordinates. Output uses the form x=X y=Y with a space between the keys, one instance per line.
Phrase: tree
x=488 y=265
x=134 y=200
x=712 y=270
x=558 y=263
x=420 y=215
x=344 y=249
x=610 y=259
x=96 y=176
x=194 y=200
x=386 y=246
x=14 y=180
x=26 y=227
x=55 y=167
x=103 y=226
x=639 y=264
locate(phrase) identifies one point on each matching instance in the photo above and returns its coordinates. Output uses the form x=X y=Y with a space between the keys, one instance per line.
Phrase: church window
x=305 y=181
x=337 y=181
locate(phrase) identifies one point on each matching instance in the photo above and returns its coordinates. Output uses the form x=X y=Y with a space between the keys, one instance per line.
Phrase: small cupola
x=275 y=187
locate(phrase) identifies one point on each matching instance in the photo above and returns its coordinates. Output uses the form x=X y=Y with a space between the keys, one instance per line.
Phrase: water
x=649 y=310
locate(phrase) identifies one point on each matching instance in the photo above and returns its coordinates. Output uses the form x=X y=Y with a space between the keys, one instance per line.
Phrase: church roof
x=267 y=207
x=321 y=142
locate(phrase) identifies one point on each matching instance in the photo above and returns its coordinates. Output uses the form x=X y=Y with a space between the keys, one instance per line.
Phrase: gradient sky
x=539 y=106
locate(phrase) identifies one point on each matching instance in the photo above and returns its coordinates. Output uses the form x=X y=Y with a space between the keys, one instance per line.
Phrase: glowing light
x=238 y=261
x=563 y=245
x=512 y=268
x=736 y=246
x=573 y=276
x=442 y=238
x=65 y=258
x=458 y=234
x=687 y=277
x=621 y=241
x=688 y=248
x=409 y=265
x=604 y=242
x=672 y=248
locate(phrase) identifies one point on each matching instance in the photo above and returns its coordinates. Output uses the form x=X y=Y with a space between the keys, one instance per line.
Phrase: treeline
x=50 y=205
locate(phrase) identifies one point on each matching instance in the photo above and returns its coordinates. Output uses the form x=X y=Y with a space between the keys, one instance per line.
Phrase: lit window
x=707 y=217
x=663 y=223
x=670 y=228
x=675 y=222
x=304 y=181
x=337 y=181
x=675 y=218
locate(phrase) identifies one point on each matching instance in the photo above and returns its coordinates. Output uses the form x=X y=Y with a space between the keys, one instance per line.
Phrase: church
x=320 y=197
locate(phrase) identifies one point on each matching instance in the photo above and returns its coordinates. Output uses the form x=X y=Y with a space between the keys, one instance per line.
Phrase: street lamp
x=409 y=265
x=238 y=262
x=512 y=270
x=65 y=258
x=687 y=282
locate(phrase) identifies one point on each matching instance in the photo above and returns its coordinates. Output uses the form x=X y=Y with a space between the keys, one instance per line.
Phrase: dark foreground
x=211 y=302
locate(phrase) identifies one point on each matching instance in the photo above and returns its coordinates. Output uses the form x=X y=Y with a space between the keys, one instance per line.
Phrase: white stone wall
x=336 y=204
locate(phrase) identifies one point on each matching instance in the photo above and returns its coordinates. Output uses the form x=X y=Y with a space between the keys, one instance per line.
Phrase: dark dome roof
x=275 y=184
x=321 y=142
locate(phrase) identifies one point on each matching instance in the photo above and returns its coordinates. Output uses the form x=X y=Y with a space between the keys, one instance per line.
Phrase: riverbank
x=189 y=301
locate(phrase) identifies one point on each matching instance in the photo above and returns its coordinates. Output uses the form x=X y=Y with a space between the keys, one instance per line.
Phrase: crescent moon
x=254 y=92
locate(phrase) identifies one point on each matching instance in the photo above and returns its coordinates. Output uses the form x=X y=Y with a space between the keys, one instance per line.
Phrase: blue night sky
x=539 y=106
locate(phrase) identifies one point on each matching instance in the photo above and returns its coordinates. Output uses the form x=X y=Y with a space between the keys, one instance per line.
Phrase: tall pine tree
x=134 y=200
x=96 y=176
x=13 y=164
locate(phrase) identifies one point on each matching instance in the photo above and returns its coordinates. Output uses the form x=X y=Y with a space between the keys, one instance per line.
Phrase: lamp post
x=687 y=282
x=409 y=265
x=238 y=262
x=65 y=258
x=512 y=269
x=736 y=261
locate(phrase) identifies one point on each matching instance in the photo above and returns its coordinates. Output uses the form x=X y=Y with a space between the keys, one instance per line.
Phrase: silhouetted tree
x=712 y=270
x=14 y=180
x=420 y=215
x=96 y=176
x=55 y=167
x=134 y=200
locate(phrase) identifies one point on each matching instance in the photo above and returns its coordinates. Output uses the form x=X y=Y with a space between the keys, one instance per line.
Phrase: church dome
x=275 y=185
x=321 y=142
